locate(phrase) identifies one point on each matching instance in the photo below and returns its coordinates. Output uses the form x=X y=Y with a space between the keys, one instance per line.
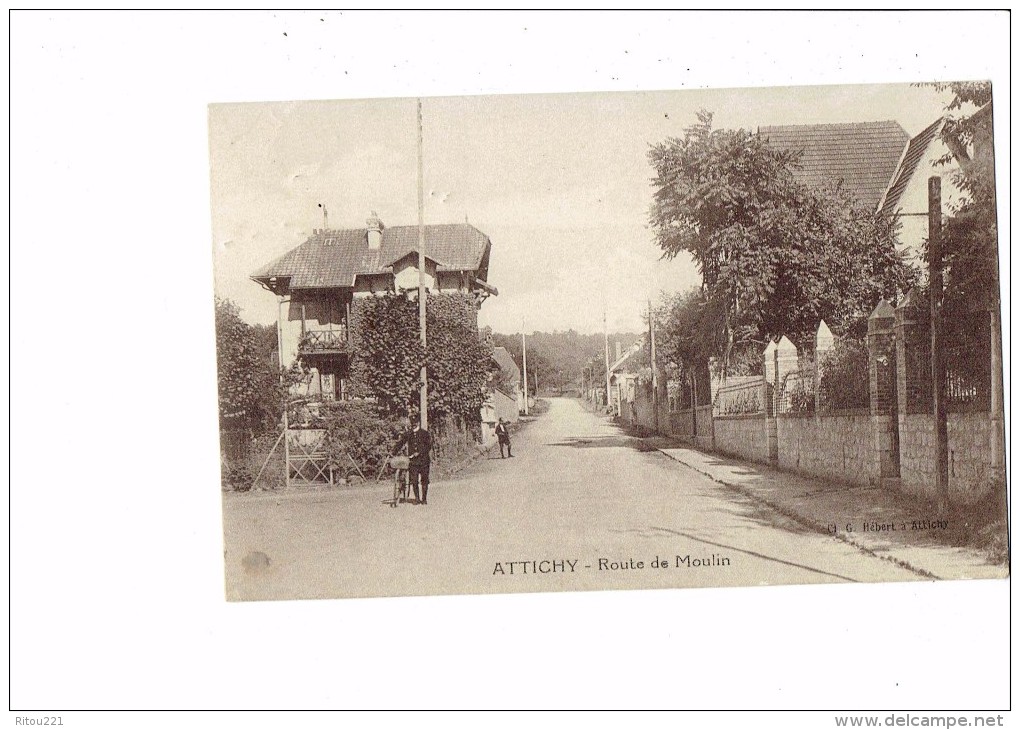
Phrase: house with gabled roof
x=932 y=152
x=883 y=167
x=623 y=377
x=319 y=280
x=505 y=399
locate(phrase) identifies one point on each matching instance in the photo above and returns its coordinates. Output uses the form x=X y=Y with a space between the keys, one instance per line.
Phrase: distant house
x=319 y=280
x=510 y=374
x=623 y=378
x=505 y=400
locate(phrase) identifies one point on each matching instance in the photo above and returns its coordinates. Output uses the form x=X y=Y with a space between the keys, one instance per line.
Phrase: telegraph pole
x=605 y=331
x=655 y=375
x=423 y=399
x=524 y=347
x=938 y=368
x=286 y=406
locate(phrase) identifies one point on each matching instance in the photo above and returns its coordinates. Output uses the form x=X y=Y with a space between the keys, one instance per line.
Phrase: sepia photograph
x=366 y=361
x=576 y=342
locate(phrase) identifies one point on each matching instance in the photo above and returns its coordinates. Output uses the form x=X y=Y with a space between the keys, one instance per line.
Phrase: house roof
x=862 y=155
x=631 y=351
x=908 y=166
x=335 y=257
x=505 y=361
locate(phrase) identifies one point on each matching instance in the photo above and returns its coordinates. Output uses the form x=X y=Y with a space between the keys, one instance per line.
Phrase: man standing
x=419 y=447
x=503 y=436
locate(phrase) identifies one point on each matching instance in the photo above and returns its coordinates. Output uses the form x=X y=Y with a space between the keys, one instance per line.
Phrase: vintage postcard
x=575 y=342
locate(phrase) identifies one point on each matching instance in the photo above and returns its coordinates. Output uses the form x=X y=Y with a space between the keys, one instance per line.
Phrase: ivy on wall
x=388 y=355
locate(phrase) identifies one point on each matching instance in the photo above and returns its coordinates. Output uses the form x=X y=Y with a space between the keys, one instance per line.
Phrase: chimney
x=375 y=229
x=618 y=353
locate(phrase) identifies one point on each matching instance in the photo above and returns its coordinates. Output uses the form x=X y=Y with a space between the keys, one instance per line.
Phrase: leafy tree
x=775 y=256
x=963 y=131
x=237 y=367
x=247 y=380
x=559 y=357
x=970 y=237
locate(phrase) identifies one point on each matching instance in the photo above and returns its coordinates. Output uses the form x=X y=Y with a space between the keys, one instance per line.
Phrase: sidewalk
x=876 y=521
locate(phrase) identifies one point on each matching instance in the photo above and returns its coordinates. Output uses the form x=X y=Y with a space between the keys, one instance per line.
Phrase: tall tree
x=247 y=379
x=969 y=247
x=774 y=255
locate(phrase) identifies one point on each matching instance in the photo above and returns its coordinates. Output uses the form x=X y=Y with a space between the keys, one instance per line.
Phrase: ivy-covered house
x=319 y=281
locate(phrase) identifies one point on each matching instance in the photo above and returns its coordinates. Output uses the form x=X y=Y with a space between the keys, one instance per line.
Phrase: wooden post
x=524 y=349
x=423 y=398
x=605 y=331
x=938 y=370
x=286 y=424
x=655 y=378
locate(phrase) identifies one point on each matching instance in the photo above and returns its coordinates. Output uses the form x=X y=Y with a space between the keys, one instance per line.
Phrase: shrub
x=845 y=383
x=237 y=478
x=799 y=398
x=743 y=401
x=359 y=430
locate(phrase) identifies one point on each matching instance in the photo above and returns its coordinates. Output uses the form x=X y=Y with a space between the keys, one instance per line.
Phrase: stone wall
x=745 y=437
x=705 y=438
x=681 y=424
x=839 y=447
x=644 y=413
x=970 y=472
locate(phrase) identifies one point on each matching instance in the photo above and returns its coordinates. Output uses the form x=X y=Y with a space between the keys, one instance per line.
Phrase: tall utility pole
x=938 y=368
x=279 y=359
x=605 y=331
x=423 y=399
x=655 y=375
x=524 y=347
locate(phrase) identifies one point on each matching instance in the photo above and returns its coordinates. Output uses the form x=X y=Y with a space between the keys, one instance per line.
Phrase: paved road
x=579 y=507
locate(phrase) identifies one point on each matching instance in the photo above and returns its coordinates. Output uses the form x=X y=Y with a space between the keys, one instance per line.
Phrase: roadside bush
x=361 y=431
x=237 y=478
x=799 y=398
x=741 y=402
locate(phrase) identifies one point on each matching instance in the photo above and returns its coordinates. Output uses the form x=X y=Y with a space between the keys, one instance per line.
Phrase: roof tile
x=863 y=155
x=908 y=166
x=334 y=257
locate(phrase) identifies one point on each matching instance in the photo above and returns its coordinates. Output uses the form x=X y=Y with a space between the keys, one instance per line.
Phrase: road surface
x=582 y=506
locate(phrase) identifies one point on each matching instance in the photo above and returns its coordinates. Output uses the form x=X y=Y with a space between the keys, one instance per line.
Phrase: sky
x=559 y=182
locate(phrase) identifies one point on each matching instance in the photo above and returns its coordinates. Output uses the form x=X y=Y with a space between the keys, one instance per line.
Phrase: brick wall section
x=838 y=447
x=970 y=476
x=743 y=436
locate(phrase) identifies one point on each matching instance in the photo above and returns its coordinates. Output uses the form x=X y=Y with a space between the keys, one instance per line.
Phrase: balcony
x=325 y=342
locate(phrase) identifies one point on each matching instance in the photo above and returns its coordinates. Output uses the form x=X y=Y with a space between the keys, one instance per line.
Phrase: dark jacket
x=502 y=434
x=419 y=446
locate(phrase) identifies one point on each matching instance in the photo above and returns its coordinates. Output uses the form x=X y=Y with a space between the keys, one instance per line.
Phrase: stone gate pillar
x=823 y=343
x=769 y=394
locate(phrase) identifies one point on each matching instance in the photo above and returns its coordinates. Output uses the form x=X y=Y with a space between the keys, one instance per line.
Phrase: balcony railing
x=325 y=341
